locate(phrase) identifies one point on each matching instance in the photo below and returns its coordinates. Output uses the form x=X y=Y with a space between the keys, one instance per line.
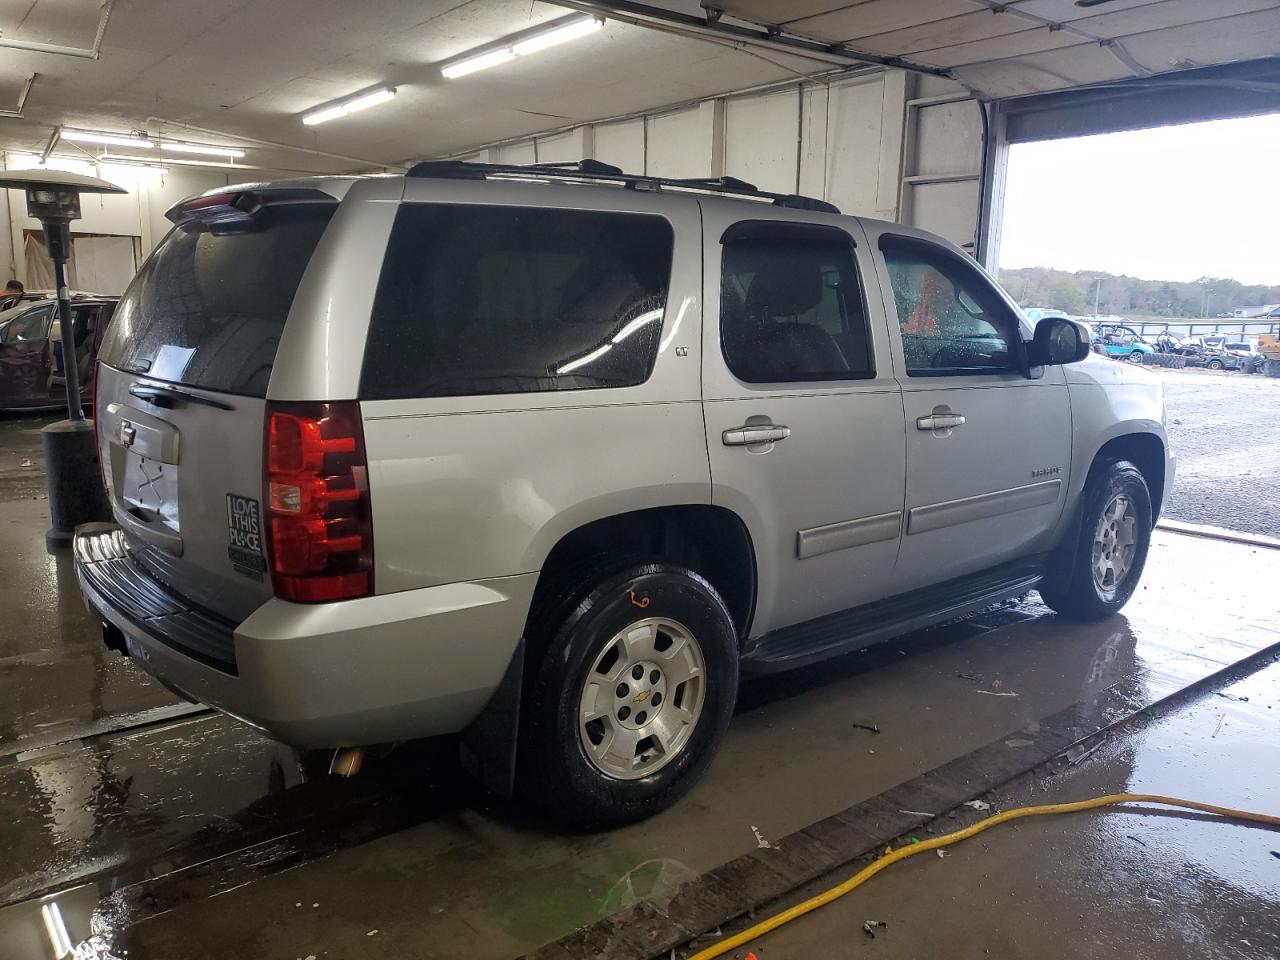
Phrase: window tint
x=952 y=320
x=484 y=300
x=208 y=308
x=791 y=307
x=32 y=325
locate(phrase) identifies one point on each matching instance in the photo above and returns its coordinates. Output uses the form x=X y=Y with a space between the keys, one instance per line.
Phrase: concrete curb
x=1218 y=533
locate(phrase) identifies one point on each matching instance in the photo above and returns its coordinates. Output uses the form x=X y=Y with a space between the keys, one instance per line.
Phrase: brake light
x=319 y=529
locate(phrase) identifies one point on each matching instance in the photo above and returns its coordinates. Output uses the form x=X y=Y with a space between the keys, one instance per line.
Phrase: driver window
x=33 y=325
x=952 y=321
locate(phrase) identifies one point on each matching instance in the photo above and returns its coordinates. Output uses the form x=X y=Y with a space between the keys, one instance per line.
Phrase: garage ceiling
x=250 y=68
x=218 y=71
x=1018 y=47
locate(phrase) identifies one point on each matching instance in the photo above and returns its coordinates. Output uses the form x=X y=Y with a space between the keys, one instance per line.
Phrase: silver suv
x=547 y=457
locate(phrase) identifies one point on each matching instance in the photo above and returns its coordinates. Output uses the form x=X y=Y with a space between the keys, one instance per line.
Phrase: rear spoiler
x=238 y=209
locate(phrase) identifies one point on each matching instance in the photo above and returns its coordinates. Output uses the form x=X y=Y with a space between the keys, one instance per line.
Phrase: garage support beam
x=716 y=30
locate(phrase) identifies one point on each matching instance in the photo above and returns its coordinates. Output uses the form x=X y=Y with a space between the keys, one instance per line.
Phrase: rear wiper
x=167 y=397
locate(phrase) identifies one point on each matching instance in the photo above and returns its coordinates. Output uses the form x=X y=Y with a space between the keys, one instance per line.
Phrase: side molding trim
x=830 y=537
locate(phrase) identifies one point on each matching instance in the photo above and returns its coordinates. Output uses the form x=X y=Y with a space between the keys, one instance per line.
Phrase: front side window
x=32 y=325
x=487 y=300
x=791 y=307
x=952 y=320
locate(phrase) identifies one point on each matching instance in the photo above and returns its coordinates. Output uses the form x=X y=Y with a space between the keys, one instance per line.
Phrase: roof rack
x=597 y=170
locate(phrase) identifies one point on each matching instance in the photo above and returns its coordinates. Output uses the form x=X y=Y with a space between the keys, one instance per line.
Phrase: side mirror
x=1058 y=340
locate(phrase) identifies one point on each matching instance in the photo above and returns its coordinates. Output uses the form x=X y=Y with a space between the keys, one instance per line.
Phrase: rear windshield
x=487 y=299
x=208 y=309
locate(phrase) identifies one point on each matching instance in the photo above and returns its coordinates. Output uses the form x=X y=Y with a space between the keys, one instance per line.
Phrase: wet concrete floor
x=1146 y=885
x=194 y=836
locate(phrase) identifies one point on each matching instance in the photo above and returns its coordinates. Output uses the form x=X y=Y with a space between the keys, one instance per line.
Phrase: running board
x=859 y=627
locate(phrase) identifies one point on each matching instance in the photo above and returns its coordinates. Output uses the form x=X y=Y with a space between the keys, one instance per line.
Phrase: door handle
x=750 y=433
x=940 y=421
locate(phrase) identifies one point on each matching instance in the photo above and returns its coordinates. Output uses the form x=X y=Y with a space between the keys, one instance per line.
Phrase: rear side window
x=791 y=305
x=488 y=299
x=208 y=308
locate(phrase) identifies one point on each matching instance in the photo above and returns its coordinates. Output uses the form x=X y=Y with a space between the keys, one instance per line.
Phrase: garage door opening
x=1164 y=241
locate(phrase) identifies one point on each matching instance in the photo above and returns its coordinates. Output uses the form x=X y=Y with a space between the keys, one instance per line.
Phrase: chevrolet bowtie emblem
x=640 y=697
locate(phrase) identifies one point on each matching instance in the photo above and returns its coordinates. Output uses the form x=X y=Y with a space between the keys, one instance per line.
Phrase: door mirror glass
x=1058 y=340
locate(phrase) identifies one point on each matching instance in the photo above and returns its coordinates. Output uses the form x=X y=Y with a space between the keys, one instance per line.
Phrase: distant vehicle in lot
x=529 y=456
x=1122 y=342
x=31 y=371
x=1246 y=353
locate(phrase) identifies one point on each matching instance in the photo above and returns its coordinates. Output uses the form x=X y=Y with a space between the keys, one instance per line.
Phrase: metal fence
x=1190 y=328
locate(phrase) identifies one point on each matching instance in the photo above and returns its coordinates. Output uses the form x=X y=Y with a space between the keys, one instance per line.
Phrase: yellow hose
x=862 y=876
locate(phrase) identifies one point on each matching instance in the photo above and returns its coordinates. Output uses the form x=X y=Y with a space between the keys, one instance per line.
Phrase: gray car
x=549 y=457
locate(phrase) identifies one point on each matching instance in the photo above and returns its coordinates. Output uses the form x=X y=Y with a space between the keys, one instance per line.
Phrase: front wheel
x=1214 y=364
x=630 y=699
x=1107 y=560
x=1135 y=357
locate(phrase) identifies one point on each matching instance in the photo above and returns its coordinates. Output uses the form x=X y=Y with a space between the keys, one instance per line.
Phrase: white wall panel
x=761 y=142
x=681 y=144
x=522 y=152
x=621 y=144
x=854 y=124
x=563 y=147
x=948 y=209
x=948 y=139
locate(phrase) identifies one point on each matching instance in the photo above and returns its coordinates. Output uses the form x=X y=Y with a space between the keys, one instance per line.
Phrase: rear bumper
x=393 y=667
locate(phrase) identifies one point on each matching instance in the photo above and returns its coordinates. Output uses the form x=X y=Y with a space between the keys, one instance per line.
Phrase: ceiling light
x=560 y=32
x=97 y=136
x=352 y=104
x=178 y=146
x=481 y=62
x=568 y=31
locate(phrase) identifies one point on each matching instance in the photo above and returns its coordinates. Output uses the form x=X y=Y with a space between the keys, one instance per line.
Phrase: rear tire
x=1214 y=364
x=1135 y=357
x=650 y=655
x=1106 y=562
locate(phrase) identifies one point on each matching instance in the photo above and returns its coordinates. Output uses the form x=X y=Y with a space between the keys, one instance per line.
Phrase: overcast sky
x=1174 y=203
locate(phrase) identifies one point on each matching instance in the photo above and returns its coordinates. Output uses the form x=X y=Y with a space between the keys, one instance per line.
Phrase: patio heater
x=76 y=494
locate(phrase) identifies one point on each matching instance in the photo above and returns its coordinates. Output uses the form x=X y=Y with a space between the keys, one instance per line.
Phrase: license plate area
x=149 y=491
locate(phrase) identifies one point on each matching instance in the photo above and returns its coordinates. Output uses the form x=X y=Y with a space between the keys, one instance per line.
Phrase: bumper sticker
x=244 y=536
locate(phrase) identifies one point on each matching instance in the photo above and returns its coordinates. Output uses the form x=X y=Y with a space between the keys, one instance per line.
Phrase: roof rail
x=588 y=169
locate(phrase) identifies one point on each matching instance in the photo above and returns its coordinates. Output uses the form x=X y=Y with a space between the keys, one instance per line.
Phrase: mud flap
x=487 y=748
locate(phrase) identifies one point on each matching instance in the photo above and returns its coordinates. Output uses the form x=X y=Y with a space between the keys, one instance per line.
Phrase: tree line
x=1124 y=296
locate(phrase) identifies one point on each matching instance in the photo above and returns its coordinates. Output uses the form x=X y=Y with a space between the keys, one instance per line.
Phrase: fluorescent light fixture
x=341 y=108
x=56 y=929
x=481 y=62
x=208 y=149
x=98 y=136
x=561 y=34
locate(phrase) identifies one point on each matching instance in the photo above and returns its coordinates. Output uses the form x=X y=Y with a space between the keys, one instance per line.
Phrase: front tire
x=1135 y=357
x=1110 y=553
x=630 y=699
x=1214 y=364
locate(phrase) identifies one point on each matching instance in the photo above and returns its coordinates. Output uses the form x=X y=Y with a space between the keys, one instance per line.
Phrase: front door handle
x=752 y=433
x=940 y=421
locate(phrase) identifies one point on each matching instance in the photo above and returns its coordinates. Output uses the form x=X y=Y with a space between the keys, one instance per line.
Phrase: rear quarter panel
x=466 y=488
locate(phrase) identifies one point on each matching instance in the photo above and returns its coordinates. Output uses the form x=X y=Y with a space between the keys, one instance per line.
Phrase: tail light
x=319 y=529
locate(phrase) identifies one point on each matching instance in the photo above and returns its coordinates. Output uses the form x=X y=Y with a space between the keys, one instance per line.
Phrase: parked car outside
x=1246 y=353
x=1119 y=341
x=31 y=364
x=551 y=464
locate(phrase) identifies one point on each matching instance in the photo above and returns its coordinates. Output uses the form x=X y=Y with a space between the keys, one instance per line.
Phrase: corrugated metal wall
x=884 y=144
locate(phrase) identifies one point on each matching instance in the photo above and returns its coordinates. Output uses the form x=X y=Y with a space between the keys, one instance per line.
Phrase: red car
x=31 y=372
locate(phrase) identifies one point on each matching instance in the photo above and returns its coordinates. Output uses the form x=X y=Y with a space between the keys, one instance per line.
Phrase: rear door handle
x=750 y=433
x=940 y=421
